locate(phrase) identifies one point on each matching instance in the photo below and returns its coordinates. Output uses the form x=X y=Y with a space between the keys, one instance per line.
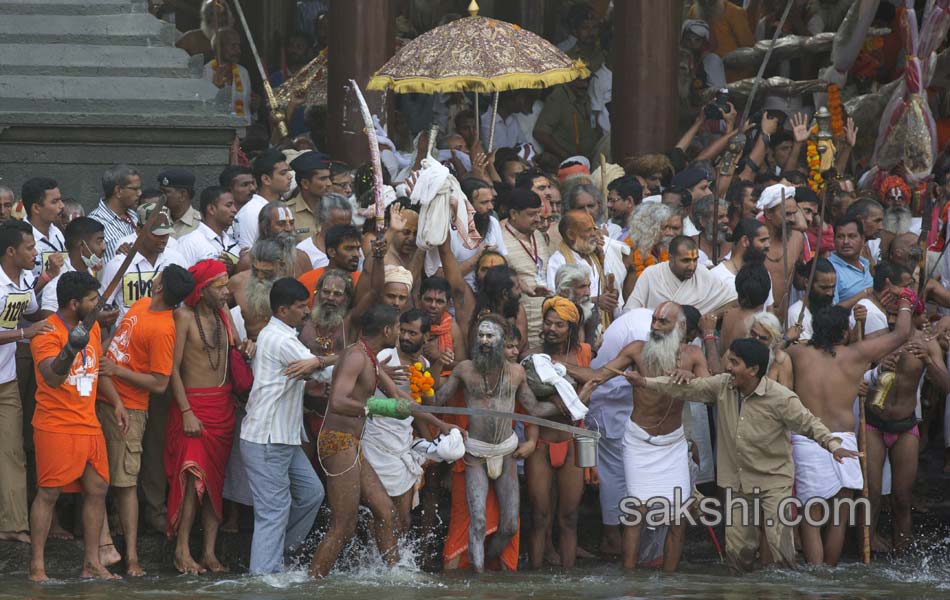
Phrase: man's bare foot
x=58 y=533
x=97 y=572
x=108 y=555
x=880 y=544
x=552 y=557
x=583 y=553
x=38 y=573
x=186 y=564
x=211 y=563
x=134 y=569
x=15 y=536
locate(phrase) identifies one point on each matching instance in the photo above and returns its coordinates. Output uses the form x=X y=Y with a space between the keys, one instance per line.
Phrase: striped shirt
x=116 y=227
x=275 y=407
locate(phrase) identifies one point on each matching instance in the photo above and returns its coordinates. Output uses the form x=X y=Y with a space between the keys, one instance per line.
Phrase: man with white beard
x=251 y=289
x=655 y=448
x=276 y=222
x=573 y=282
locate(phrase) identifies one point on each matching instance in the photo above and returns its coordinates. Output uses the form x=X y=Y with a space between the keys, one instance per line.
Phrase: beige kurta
x=657 y=284
x=526 y=267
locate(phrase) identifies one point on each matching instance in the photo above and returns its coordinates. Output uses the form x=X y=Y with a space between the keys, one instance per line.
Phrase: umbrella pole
x=478 y=125
x=491 y=129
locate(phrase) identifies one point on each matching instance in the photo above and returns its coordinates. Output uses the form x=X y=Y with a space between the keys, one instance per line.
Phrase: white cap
x=772 y=196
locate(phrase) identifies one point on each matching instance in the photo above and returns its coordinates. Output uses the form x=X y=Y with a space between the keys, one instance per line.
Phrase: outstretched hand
x=800 y=127
x=842 y=453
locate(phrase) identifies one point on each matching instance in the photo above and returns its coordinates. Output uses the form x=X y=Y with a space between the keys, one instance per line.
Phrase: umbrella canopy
x=312 y=78
x=476 y=54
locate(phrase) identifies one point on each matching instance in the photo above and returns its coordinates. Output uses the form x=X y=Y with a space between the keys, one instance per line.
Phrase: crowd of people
x=273 y=346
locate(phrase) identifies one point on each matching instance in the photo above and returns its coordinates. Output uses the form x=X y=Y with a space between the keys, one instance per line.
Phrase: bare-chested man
x=655 y=448
x=251 y=289
x=770 y=202
x=490 y=382
x=827 y=377
x=351 y=480
x=553 y=461
x=201 y=422
x=752 y=289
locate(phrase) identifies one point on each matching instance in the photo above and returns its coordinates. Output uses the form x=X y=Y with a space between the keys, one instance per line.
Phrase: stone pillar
x=645 y=66
x=361 y=41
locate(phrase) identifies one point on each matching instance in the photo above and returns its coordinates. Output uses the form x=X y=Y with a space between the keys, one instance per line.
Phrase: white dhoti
x=493 y=454
x=387 y=446
x=655 y=466
x=818 y=474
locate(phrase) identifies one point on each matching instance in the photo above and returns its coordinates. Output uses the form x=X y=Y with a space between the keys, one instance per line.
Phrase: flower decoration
x=836 y=109
x=640 y=263
x=420 y=382
x=815 y=180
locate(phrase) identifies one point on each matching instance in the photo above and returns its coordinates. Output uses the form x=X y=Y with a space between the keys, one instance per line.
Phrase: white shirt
x=47 y=299
x=137 y=281
x=245 y=225
x=492 y=238
x=729 y=278
x=689 y=230
x=807 y=329
x=317 y=256
x=275 y=407
x=600 y=91
x=204 y=243
x=46 y=245
x=557 y=261
x=877 y=319
x=508 y=133
x=16 y=299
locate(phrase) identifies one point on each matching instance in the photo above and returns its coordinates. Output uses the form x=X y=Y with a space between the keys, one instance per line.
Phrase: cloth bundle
x=553 y=374
x=433 y=192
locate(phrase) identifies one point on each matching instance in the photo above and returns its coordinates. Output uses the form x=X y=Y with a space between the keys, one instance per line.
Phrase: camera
x=720 y=104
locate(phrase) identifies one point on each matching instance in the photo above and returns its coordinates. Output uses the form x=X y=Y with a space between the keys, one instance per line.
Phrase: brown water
x=922 y=577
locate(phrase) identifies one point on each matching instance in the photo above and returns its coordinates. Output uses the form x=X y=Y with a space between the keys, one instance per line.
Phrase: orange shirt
x=310 y=279
x=729 y=32
x=144 y=342
x=65 y=409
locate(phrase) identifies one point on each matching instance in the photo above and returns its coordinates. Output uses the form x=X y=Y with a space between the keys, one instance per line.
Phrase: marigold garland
x=420 y=382
x=639 y=264
x=815 y=181
x=836 y=110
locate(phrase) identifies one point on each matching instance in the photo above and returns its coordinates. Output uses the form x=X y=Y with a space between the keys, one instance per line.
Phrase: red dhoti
x=204 y=457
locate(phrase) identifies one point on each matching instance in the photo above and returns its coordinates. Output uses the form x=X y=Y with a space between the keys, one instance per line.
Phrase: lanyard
x=221 y=243
x=68 y=331
x=533 y=253
x=49 y=244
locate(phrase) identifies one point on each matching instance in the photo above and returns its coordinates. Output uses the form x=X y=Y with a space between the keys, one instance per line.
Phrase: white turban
x=613 y=172
x=772 y=196
x=397 y=274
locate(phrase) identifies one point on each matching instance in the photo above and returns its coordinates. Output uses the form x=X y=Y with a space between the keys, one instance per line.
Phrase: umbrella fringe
x=500 y=83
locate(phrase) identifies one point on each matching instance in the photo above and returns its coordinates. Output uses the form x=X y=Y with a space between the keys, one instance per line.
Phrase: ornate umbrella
x=476 y=54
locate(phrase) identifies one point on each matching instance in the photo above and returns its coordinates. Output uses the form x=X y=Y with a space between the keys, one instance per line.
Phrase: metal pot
x=585 y=451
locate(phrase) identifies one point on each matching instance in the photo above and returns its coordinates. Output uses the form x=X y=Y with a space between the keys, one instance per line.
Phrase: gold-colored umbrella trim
x=464 y=83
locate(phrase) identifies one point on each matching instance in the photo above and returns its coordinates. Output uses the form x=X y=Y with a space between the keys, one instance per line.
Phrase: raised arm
x=368 y=289
x=873 y=349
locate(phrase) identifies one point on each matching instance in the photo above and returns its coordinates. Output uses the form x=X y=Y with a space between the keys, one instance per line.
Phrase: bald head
x=577 y=228
x=904 y=250
x=667 y=317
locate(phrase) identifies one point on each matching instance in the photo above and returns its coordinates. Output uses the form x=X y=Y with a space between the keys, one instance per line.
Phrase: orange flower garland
x=836 y=110
x=639 y=263
x=238 y=87
x=815 y=181
x=420 y=382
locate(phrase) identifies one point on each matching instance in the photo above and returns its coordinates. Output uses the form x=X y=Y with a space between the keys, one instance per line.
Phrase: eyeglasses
x=134 y=188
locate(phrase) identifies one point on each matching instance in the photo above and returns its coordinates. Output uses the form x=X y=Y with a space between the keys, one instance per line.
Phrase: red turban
x=205 y=273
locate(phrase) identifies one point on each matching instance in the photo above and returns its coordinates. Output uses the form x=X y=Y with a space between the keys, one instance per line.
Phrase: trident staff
x=271 y=101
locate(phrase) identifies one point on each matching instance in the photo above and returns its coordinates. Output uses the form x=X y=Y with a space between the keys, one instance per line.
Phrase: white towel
x=552 y=373
x=818 y=474
x=387 y=447
x=445 y=447
x=614 y=251
x=655 y=466
x=494 y=454
x=433 y=191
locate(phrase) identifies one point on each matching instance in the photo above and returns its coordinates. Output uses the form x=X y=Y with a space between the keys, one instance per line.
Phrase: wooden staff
x=370 y=130
x=269 y=92
x=786 y=292
x=603 y=185
x=923 y=239
x=491 y=128
x=117 y=279
x=814 y=259
x=863 y=449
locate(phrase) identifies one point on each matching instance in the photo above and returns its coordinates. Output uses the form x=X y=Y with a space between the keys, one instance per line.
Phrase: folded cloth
x=614 y=251
x=444 y=448
x=655 y=466
x=818 y=474
x=434 y=190
x=772 y=196
x=494 y=454
x=387 y=446
x=553 y=374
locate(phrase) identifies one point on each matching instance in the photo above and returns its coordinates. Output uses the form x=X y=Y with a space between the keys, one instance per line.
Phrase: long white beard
x=660 y=356
x=326 y=316
x=258 y=297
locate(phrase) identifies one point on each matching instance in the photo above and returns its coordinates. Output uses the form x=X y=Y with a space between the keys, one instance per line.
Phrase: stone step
x=97 y=61
x=147 y=95
x=138 y=29
x=72 y=7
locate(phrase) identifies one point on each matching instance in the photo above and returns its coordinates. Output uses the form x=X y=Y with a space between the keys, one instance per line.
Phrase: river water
x=923 y=576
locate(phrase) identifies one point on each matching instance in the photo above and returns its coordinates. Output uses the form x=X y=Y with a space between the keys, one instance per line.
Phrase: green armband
x=396 y=408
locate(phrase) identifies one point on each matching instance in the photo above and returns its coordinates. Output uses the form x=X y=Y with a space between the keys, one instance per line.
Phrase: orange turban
x=205 y=273
x=564 y=308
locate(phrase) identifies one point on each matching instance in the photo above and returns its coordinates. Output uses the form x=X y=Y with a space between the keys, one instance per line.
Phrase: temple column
x=361 y=41
x=645 y=66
